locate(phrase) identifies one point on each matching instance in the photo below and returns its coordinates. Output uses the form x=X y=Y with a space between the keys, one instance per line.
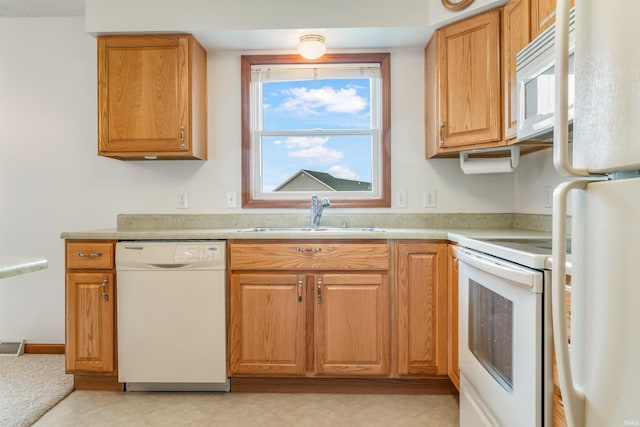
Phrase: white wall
x=532 y=176
x=170 y=15
x=51 y=179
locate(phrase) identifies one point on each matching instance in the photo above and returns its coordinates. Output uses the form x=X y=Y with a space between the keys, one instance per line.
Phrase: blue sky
x=316 y=104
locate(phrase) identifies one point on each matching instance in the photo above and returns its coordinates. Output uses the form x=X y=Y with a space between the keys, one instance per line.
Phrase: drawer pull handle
x=182 y=136
x=105 y=280
x=299 y=249
x=319 y=290
x=300 y=288
x=93 y=255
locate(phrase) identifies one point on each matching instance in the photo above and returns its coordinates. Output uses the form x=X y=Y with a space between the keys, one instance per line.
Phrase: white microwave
x=536 y=86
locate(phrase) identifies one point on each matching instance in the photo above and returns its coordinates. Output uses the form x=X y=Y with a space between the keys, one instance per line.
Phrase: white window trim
x=257 y=133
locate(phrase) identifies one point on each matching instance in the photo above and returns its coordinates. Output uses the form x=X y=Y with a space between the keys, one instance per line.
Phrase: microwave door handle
x=573 y=398
x=561 y=121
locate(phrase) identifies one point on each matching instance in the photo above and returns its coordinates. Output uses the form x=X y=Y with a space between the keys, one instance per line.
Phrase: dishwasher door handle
x=169 y=266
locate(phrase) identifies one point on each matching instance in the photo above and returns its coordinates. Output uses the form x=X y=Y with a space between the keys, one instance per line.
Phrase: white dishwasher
x=171 y=305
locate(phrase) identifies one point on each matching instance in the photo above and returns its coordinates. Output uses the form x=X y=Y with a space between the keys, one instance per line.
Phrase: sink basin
x=312 y=230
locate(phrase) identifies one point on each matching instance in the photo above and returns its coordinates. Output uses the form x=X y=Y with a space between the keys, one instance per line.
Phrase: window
x=316 y=127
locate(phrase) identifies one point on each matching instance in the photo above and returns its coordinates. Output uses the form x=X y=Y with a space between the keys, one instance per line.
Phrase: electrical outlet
x=183 y=201
x=548 y=196
x=430 y=198
x=401 y=199
x=232 y=199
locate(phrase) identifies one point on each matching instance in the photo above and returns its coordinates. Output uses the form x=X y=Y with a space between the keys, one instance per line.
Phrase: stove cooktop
x=530 y=252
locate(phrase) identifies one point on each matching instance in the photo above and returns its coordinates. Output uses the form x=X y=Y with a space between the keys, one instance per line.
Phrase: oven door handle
x=521 y=276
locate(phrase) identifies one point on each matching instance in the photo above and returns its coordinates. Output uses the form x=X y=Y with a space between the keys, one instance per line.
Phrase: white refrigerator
x=599 y=372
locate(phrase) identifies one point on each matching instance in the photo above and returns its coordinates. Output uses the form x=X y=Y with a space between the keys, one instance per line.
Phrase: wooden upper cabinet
x=152 y=97
x=515 y=36
x=543 y=14
x=463 y=86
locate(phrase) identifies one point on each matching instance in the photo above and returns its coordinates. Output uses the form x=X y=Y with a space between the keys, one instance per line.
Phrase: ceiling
x=276 y=39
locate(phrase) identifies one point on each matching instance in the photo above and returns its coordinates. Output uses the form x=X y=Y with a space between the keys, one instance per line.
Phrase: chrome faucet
x=317 y=206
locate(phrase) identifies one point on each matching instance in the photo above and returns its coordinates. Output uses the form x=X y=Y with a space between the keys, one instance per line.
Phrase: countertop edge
x=228 y=234
x=15 y=265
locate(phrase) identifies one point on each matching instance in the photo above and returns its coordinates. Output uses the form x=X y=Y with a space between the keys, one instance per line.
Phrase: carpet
x=30 y=385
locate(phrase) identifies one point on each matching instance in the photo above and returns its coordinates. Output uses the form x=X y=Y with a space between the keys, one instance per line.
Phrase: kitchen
x=52 y=169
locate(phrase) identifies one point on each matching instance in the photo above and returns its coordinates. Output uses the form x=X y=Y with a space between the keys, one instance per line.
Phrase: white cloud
x=310 y=147
x=319 y=152
x=325 y=99
x=305 y=141
x=341 y=171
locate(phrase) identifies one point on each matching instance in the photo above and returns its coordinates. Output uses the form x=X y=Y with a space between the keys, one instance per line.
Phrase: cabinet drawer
x=305 y=255
x=90 y=254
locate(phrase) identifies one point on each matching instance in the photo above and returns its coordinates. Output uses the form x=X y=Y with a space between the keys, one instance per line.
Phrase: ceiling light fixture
x=312 y=46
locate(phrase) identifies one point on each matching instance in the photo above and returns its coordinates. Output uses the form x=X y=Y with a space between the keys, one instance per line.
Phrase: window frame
x=384 y=197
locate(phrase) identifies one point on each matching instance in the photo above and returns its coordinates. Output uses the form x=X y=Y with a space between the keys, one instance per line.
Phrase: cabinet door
x=469 y=81
x=90 y=328
x=144 y=98
x=515 y=36
x=352 y=324
x=422 y=306
x=543 y=14
x=267 y=325
x=453 y=369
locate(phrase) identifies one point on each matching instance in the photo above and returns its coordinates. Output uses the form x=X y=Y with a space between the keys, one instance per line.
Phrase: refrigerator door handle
x=573 y=398
x=561 y=160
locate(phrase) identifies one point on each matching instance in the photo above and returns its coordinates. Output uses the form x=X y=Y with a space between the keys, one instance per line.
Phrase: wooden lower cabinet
x=351 y=324
x=267 y=324
x=90 y=323
x=421 y=277
x=90 y=308
x=343 y=329
x=309 y=322
x=559 y=418
x=453 y=370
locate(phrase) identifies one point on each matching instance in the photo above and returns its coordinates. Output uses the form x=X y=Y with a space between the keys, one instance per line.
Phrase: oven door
x=500 y=342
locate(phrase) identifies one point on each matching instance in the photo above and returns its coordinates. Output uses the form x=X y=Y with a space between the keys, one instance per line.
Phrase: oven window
x=491 y=332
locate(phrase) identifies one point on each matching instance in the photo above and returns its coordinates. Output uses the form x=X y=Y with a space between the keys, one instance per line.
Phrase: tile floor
x=102 y=408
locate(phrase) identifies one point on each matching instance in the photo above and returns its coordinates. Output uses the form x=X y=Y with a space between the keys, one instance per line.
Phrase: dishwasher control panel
x=174 y=255
x=189 y=253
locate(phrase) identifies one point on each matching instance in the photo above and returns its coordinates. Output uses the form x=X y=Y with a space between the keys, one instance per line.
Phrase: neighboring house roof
x=308 y=180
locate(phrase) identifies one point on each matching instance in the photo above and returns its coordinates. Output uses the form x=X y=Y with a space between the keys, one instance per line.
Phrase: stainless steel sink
x=311 y=230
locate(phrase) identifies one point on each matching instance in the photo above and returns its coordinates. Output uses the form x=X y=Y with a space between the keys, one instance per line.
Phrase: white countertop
x=15 y=265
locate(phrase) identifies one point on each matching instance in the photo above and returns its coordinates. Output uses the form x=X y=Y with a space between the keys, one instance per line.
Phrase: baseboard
x=44 y=348
x=97 y=382
x=433 y=385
